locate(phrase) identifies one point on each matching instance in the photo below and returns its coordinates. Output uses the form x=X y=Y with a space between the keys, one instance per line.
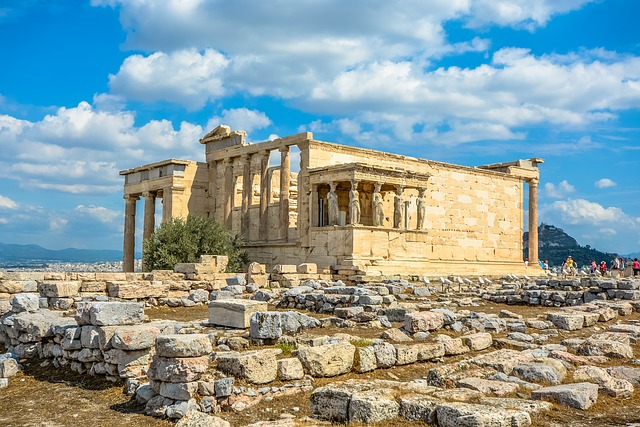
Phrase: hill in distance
x=555 y=246
x=14 y=253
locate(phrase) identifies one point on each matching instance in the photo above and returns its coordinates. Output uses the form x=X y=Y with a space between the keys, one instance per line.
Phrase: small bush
x=185 y=239
x=361 y=343
x=286 y=347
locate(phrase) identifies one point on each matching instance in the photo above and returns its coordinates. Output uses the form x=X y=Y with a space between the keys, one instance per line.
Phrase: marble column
x=149 y=214
x=129 y=232
x=247 y=190
x=332 y=204
x=285 y=182
x=229 y=192
x=265 y=188
x=212 y=173
x=376 y=205
x=354 y=204
x=533 y=221
x=398 y=208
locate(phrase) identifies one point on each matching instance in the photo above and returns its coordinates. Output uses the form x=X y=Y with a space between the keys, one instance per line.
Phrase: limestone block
x=609 y=348
x=406 y=354
x=11 y=286
x=478 y=341
x=418 y=407
x=89 y=337
x=178 y=391
x=365 y=359
x=348 y=312
x=93 y=286
x=330 y=403
x=223 y=387
x=138 y=289
x=542 y=370
x=135 y=337
x=59 y=289
x=103 y=276
x=307 y=268
x=217 y=262
x=257 y=367
x=177 y=370
x=614 y=387
x=290 y=369
x=502 y=360
x=234 y=313
x=265 y=325
x=127 y=358
x=579 y=395
x=25 y=302
x=455 y=414
x=109 y=313
x=385 y=354
x=8 y=367
x=285 y=269
x=61 y=303
x=373 y=406
x=491 y=387
x=626 y=373
x=328 y=360
x=183 y=345
x=422 y=321
x=396 y=335
x=566 y=321
x=256 y=268
x=236 y=280
x=429 y=351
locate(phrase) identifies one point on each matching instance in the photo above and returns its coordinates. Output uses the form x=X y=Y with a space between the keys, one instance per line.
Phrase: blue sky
x=88 y=88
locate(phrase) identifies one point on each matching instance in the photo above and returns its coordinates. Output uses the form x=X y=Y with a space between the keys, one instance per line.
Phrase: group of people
x=570 y=266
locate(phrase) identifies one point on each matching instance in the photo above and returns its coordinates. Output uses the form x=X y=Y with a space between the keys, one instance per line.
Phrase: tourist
x=526 y=262
x=636 y=267
x=594 y=266
x=603 y=268
x=546 y=265
x=569 y=266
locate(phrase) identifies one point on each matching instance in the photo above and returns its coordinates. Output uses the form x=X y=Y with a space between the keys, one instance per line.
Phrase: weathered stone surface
x=365 y=359
x=609 y=348
x=257 y=367
x=290 y=369
x=579 y=395
x=183 y=345
x=612 y=386
x=452 y=346
x=497 y=388
x=8 y=367
x=626 y=373
x=385 y=354
x=234 y=313
x=127 y=358
x=178 y=391
x=331 y=403
x=176 y=370
x=328 y=360
x=429 y=351
x=478 y=341
x=135 y=337
x=418 y=407
x=373 y=406
x=138 y=289
x=11 y=286
x=273 y=324
x=406 y=354
x=25 y=302
x=542 y=370
x=421 y=321
x=395 y=334
x=502 y=360
x=59 y=289
x=109 y=313
x=195 y=418
x=456 y=414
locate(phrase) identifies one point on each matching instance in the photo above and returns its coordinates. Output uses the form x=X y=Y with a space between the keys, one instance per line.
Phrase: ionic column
x=398 y=208
x=265 y=188
x=533 y=221
x=285 y=178
x=212 y=174
x=247 y=188
x=149 y=214
x=129 y=232
x=229 y=192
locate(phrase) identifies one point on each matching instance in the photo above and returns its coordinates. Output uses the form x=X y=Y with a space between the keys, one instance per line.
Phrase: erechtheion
x=346 y=207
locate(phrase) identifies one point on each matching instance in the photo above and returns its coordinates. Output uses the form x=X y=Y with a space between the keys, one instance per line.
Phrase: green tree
x=185 y=239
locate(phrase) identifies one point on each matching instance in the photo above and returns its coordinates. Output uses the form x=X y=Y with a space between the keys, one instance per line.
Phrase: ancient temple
x=345 y=207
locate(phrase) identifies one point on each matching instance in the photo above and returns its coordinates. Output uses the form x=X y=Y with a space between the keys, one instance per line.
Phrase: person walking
x=603 y=268
x=635 y=266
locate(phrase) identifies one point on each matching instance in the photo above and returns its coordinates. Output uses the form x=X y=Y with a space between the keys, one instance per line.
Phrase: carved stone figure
x=421 y=204
x=332 y=201
x=354 y=204
x=398 y=208
x=378 y=210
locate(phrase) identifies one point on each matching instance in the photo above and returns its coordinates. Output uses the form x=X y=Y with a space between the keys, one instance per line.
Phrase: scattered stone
x=579 y=395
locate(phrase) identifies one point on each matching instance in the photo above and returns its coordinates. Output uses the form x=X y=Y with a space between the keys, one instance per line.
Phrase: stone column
x=212 y=173
x=229 y=192
x=129 y=232
x=332 y=204
x=376 y=205
x=354 y=204
x=265 y=188
x=247 y=190
x=398 y=208
x=285 y=182
x=149 y=214
x=167 y=204
x=533 y=221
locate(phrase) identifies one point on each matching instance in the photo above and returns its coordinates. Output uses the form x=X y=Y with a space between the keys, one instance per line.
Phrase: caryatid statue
x=376 y=202
x=398 y=208
x=421 y=204
x=354 y=203
x=332 y=201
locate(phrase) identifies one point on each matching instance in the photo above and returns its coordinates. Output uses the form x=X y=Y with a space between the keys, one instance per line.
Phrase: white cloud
x=560 y=190
x=605 y=183
x=57 y=223
x=186 y=77
x=608 y=231
x=584 y=212
x=7 y=203
x=101 y=213
x=519 y=13
x=240 y=118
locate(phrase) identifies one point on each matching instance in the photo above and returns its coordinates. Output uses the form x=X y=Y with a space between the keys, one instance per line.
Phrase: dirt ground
x=54 y=398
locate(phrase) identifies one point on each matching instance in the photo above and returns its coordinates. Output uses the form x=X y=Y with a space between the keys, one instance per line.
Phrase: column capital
x=146 y=194
x=131 y=197
x=534 y=182
x=284 y=149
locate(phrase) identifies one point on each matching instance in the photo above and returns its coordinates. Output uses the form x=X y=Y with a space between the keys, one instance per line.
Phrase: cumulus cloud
x=101 y=213
x=186 y=77
x=7 y=203
x=519 y=13
x=240 y=118
x=581 y=211
x=605 y=183
x=560 y=190
x=57 y=223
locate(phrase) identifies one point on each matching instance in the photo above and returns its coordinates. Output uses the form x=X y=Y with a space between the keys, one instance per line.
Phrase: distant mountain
x=555 y=245
x=12 y=253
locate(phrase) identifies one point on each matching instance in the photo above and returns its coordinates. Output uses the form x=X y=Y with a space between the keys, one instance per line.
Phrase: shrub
x=185 y=239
